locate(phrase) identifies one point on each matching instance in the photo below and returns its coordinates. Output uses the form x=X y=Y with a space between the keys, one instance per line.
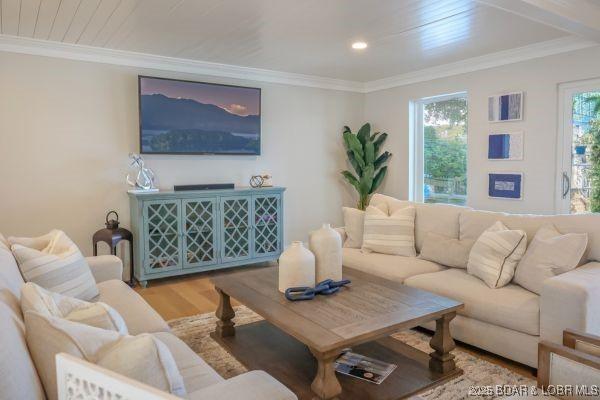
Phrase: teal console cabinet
x=178 y=233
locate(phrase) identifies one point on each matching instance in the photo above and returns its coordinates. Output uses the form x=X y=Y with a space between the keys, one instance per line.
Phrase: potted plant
x=364 y=154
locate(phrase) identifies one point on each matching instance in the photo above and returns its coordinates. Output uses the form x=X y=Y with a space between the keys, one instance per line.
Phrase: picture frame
x=506 y=107
x=505 y=185
x=505 y=146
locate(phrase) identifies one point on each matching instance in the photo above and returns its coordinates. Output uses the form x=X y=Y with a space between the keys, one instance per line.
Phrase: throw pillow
x=354 y=222
x=100 y=315
x=550 y=253
x=55 y=263
x=496 y=253
x=393 y=234
x=142 y=357
x=446 y=251
x=3 y=242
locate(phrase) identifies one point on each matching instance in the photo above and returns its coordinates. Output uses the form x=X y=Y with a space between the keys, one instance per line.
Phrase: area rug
x=195 y=330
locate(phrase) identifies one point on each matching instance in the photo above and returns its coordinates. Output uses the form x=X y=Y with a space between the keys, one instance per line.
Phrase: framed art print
x=505 y=185
x=505 y=146
x=505 y=107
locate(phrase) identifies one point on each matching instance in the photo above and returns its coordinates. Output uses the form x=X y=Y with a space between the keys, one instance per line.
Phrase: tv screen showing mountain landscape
x=181 y=117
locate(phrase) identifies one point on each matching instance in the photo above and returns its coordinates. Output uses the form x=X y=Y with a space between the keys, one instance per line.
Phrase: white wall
x=66 y=128
x=539 y=79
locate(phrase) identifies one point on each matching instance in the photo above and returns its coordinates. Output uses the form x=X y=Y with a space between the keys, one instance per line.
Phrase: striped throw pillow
x=393 y=234
x=45 y=302
x=55 y=263
x=495 y=255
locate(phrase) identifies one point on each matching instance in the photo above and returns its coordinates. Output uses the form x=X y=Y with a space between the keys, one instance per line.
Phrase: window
x=578 y=157
x=440 y=145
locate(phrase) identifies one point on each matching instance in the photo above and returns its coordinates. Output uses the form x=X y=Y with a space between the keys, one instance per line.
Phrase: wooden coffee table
x=361 y=316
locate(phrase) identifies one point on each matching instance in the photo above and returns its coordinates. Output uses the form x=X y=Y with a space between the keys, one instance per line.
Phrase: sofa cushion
x=390 y=234
x=54 y=262
x=447 y=251
x=395 y=268
x=474 y=222
x=253 y=385
x=138 y=315
x=510 y=306
x=438 y=218
x=197 y=374
x=18 y=376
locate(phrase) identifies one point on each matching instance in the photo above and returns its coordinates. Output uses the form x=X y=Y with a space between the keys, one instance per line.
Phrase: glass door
x=235 y=228
x=579 y=186
x=162 y=235
x=266 y=224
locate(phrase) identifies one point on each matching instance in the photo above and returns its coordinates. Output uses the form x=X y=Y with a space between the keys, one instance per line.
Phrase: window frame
x=417 y=142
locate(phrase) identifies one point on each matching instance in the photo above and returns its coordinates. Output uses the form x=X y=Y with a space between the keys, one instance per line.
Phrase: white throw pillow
x=393 y=234
x=354 y=222
x=100 y=315
x=550 y=253
x=142 y=357
x=4 y=243
x=446 y=251
x=496 y=253
x=55 y=263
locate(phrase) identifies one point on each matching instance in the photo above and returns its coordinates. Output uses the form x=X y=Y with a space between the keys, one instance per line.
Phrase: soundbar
x=205 y=186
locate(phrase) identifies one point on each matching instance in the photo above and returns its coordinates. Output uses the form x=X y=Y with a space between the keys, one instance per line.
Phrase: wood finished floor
x=183 y=297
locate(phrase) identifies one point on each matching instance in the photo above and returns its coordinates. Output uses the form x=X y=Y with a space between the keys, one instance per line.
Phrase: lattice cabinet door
x=200 y=239
x=236 y=228
x=162 y=244
x=267 y=224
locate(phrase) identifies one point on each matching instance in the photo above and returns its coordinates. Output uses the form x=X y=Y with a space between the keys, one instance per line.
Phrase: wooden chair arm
x=546 y=349
x=571 y=337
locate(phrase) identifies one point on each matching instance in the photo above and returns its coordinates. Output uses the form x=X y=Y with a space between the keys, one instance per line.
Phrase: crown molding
x=536 y=50
x=140 y=60
x=17 y=44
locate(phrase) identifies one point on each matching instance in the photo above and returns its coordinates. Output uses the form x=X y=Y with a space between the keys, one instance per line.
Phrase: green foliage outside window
x=594 y=173
x=446 y=157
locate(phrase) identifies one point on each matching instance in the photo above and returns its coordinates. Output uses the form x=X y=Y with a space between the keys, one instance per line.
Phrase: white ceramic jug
x=326 y=244
x=296 y=267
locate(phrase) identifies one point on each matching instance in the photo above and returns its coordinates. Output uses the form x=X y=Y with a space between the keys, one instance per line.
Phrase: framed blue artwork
x=506 y=185
x=505 y=146
x=505 y=107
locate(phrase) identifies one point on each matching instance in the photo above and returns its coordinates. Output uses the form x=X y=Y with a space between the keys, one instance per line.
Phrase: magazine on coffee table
x=362 y=367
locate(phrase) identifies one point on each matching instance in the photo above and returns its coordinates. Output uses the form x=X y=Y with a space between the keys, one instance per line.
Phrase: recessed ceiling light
x=359 y=45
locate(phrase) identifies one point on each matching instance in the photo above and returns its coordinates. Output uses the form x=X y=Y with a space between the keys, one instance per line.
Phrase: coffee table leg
x=225 y=313
x=326 y=385
x=441 y=360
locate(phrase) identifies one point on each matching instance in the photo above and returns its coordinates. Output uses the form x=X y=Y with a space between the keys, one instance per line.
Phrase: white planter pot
x=296 y=267
x=326 y=244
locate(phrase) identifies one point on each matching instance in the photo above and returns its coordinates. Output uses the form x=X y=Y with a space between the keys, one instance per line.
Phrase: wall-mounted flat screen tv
x=183 y=117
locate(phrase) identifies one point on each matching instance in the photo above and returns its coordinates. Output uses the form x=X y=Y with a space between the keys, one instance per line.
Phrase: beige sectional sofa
x=509 y=321
x=19 y=378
